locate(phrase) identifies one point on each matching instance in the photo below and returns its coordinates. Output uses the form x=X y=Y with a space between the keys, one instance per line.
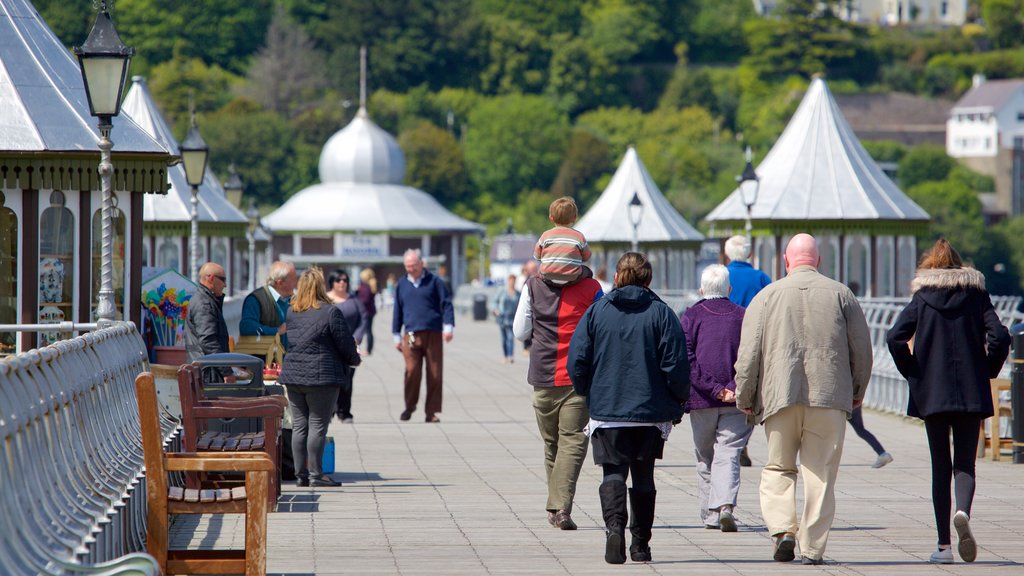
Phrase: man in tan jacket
x=804 y=363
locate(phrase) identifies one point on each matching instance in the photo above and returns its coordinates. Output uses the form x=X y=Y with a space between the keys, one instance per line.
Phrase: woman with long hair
x=958 y=345
x=356 y=317
x=320 y=354
x=628 y=358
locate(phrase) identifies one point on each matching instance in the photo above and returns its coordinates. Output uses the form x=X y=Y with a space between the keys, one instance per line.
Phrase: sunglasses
x=223 y=279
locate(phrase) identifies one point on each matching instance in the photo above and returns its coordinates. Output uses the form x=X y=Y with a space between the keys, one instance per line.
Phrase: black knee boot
x=613 y=507
x=642 y=504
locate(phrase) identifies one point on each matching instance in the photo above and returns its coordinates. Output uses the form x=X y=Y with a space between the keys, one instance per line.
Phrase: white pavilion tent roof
x=818 y=170
x=608 y=219
x=176 y=205
x=43 y=105
x=361 y=173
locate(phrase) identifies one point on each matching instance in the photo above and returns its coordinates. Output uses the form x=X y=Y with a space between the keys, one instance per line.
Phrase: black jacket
x=320 y=348
x=959 y=343
x=628 y=357
x=205 y=330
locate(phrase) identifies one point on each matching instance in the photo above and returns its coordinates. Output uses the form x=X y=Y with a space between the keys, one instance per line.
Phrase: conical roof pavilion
x=608 y=219
x=176 y=205
x=819 y=171
x=361 y=190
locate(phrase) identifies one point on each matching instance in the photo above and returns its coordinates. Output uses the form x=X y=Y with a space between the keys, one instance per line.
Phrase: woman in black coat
x=320 y=353
x=628 y=358
x=958 y=345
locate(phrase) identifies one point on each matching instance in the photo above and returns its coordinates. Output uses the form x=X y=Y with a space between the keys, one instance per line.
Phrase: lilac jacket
x=712 y=329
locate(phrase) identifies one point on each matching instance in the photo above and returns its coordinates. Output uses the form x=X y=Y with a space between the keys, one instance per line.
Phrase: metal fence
x=73 y=497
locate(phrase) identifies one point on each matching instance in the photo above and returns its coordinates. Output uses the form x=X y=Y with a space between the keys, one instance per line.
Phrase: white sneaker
x=941 y=556
x=966 y=546
x=883 y=459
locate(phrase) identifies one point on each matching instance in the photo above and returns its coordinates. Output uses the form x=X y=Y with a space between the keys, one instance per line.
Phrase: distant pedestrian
x=367 y=294
x=958 y=345
x=628 y=357
x=804 y=364
x=319 y=361
x=720 y=430
x=549 y=313
x=857 y=423
x=746 y=282
x=504 y=310
x=357 y=319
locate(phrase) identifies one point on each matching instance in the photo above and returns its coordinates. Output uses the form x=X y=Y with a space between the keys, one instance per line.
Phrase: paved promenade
x=466 y=497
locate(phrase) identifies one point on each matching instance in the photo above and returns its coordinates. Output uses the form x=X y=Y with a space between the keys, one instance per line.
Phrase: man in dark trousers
x=205 y=330
x=423 y=317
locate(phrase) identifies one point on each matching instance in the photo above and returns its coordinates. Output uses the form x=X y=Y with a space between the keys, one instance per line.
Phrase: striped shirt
x=562 y=252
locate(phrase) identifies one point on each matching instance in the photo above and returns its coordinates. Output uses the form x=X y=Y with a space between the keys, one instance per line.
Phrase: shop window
x=8 y=275
x=118 y=222
x=56 y=267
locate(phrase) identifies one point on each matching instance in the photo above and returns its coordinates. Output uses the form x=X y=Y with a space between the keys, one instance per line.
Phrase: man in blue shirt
x=746 y=281
x=265 y=310
x=423 y=317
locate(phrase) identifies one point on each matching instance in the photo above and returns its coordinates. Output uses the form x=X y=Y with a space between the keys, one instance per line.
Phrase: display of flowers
x=167 y=308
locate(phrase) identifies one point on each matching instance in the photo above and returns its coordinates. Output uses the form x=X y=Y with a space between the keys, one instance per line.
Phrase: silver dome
x=362 y=153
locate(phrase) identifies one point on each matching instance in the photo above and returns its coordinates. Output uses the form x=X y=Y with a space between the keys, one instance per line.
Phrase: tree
x=179 y=81
x=517 y=58
x=580 y=77
x=716 y=34
x=924 y=163
x=1005 y=22
x=956 y=215
x=515 y=143
x=434 y=163
x=587 y=159
x=287 y=73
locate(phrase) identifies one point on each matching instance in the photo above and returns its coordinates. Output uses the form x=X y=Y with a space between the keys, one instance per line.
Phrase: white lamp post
x=103 y=60
x=636 y=212
x=749 y=185
x=194 y=153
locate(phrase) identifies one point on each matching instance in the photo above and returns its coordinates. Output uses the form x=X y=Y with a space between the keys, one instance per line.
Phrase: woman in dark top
x=958 y=345
x=367 y=294
x=320 y=354
x=628 y=358
x=356 y=318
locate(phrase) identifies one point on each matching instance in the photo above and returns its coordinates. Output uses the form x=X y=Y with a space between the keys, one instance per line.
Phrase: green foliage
x=586 y=160
x=1004 y=264
x=70 y=20
x=175 y=82
x=1005 y=21
x=580 y=76
x=885 y=150
x=956 y=214
x=517 y=58
x=434 y=163
x=925 y=163
x=717 y=31
x=620 y=29
x=950 y=74
x=515 y=143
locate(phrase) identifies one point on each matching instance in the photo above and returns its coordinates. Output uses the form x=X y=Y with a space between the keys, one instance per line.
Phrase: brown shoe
x=551 y=519
x=432 y=418
x=405 y=415
x=563 y=521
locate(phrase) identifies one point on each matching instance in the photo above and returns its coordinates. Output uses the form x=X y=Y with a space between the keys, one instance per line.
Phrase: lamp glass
x=636 y=210
x=195 y=165
x=104 y=81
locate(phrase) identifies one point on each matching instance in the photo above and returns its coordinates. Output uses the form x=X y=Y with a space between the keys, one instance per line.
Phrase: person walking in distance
x=628 y=358
x=356 y=317
x=505 y=305
x=803 y=365
x=423 y=318
x=367 y=294
x=548 y=314
x=720 y=431
x=959 y=344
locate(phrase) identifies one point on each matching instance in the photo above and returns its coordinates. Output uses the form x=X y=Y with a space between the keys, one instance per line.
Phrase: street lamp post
x=749 y=185
x=194 y=153
x=254 y=219
x=233 y=187
x=636 y=212
x=510 y=237
x=103 y=60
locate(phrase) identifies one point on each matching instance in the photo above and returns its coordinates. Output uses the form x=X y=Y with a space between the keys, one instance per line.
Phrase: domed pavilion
x=361 y=214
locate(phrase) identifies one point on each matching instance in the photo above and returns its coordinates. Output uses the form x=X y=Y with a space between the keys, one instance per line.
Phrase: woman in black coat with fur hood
x=958 y=345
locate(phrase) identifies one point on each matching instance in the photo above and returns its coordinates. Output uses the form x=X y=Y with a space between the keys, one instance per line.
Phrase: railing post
x=1016 y=394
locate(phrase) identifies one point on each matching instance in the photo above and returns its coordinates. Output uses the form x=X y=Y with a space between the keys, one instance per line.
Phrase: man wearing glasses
x=205 y=330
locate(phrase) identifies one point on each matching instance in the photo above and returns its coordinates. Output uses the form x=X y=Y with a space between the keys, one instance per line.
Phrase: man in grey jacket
x=205 y=330
x=803 y=365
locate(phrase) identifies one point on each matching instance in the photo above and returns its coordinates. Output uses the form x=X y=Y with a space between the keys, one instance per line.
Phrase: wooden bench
x=165 y=499
x=72 y=473
x=197 y=409
x=269 y=348
x=993 y=440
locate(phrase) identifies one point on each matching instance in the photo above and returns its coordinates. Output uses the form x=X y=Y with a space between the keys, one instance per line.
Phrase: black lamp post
x=749 y=185
x=103 y=60
x=636 y=212
x=194 y=153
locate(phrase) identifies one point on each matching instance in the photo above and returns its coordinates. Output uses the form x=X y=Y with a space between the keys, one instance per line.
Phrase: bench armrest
x=205 y=410
x=222 y=462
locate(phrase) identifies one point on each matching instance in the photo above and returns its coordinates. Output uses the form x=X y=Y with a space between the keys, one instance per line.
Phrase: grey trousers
x=561 y=416
x=719 y=435
x=312 y=408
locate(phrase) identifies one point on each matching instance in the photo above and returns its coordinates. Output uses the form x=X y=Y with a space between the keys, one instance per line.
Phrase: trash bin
x=479 y=307
x=239 y=389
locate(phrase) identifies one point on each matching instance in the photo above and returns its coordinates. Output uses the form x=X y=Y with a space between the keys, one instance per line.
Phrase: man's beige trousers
x=816 y=434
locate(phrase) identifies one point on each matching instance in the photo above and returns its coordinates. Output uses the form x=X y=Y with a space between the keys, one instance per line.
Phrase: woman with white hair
x=720 y=430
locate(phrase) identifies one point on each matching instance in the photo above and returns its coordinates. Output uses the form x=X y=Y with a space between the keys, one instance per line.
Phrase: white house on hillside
x=986 y=119
x=891 y=12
